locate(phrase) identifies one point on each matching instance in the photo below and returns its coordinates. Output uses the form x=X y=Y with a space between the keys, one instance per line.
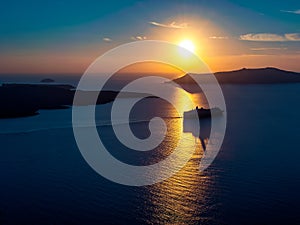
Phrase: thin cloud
x=171 y=25
x=293 y=36
x=218 y=37
x=266 y=49
x=138 y=38
x=262 y=37
x=270 y=37
x=106 y=39
x=291 y=11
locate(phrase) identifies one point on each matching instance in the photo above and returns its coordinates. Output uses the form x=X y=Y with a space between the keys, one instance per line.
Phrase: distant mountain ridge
x=268 y=75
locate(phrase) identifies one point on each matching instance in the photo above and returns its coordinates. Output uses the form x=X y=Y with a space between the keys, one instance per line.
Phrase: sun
x=187 y=44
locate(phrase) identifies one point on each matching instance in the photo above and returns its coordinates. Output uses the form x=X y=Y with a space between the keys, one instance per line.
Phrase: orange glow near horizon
x=151 y=68
x=71 y=64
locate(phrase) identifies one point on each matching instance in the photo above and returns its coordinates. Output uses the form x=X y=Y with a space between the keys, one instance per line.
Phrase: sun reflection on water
x=182 y=199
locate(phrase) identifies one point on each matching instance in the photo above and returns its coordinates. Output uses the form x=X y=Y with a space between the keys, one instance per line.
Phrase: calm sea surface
x=255 y=178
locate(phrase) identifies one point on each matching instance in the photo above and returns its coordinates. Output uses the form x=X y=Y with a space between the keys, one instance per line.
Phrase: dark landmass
x=267 y=75
x=19 y=100
x=47 y=80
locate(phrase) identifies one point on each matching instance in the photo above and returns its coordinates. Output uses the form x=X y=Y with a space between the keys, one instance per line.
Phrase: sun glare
x=187 y=44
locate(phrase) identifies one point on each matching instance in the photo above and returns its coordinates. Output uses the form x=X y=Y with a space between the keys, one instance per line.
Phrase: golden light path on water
x=183 y=197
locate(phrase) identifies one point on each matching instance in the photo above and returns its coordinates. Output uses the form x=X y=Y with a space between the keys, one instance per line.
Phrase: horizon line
x=132 y=73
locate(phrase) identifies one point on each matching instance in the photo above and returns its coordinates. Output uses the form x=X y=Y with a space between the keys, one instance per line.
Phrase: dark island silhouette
x=268 y=75
x=47 y=80
x=19 y=100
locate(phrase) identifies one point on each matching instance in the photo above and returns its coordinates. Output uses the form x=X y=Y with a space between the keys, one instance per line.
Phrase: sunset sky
x=66 y=36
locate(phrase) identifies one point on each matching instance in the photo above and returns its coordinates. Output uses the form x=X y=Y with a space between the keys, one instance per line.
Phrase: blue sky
x=33 y=30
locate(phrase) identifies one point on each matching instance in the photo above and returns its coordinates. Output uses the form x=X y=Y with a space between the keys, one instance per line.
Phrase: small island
x=47 y=80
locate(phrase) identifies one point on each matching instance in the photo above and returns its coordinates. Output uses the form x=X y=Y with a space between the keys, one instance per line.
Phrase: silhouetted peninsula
x=18 y=100
x=267 y=75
